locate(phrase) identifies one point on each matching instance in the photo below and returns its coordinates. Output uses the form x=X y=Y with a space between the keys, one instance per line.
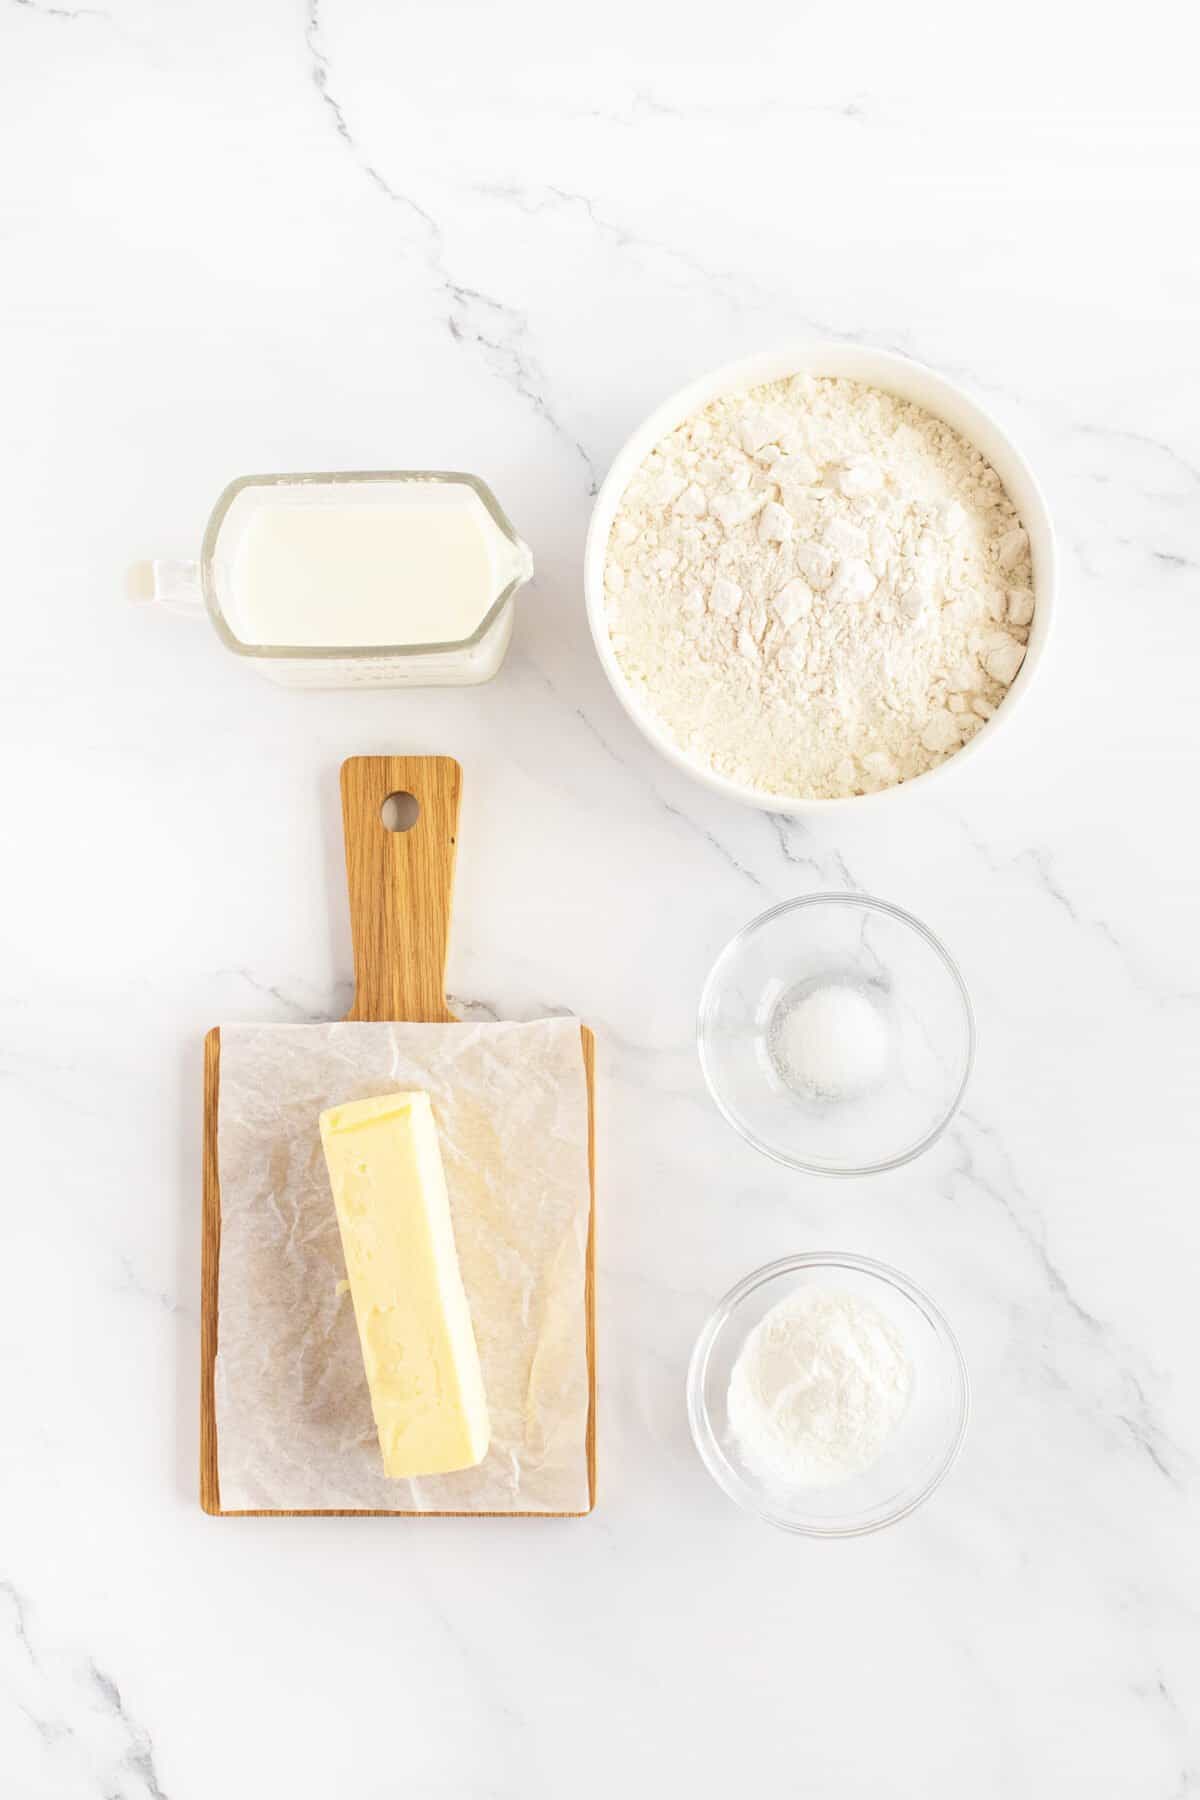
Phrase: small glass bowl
x=925 y=1048
x=922 y=1448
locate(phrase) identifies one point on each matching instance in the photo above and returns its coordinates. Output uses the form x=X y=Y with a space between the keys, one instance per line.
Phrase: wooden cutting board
x=401 y=884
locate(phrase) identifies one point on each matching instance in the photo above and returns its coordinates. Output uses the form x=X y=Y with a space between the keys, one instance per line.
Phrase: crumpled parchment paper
x=294 y=1424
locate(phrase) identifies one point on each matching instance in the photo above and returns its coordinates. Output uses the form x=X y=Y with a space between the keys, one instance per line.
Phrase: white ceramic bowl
x=896 y=375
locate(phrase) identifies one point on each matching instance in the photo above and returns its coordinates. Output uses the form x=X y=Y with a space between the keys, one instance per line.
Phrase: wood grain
x=210 y=1264
x=400 y=886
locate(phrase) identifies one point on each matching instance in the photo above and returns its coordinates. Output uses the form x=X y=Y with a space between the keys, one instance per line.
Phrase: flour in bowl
x=818 y=588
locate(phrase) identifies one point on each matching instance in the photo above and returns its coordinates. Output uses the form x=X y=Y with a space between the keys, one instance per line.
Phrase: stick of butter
x=414 y=1324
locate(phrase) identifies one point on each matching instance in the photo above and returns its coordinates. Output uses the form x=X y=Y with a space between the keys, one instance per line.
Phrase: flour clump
x=818 y=588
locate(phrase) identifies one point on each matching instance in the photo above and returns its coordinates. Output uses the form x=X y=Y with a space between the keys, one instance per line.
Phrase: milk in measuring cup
x=400 y=579
x=408 y=566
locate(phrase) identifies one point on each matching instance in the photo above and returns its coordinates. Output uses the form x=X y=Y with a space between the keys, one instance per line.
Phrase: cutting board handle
x=400 y=884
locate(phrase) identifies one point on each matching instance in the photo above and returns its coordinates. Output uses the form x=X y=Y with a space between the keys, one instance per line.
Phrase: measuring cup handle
x=173 y=585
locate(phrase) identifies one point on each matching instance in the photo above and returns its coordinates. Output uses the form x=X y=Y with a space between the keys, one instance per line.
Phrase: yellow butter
x=414 y=1324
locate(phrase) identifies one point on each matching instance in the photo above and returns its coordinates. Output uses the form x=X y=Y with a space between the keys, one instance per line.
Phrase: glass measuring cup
x=220 y=583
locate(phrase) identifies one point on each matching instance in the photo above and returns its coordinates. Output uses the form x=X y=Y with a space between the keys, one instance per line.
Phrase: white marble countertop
x=241 y=238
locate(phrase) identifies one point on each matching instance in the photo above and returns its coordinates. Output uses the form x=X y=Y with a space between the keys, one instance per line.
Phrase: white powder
x=821 y=1383
x=830 y=1044
x=817 y=588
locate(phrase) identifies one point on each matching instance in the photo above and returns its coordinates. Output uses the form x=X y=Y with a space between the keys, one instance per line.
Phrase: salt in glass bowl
x=888 y=959
x=921 y=1449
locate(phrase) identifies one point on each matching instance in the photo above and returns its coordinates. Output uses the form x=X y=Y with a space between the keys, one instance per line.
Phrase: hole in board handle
x=400 y=812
